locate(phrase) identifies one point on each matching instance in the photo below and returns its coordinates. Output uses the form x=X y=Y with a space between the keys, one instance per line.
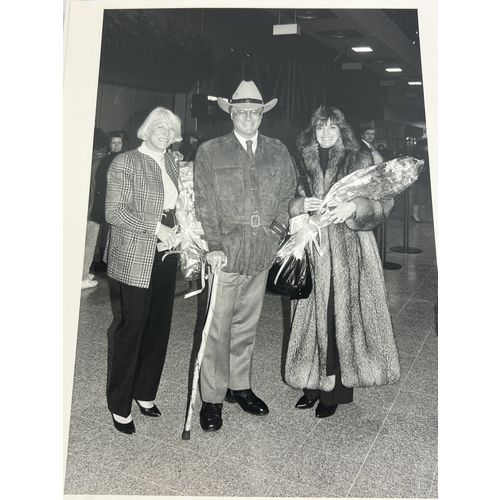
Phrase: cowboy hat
x=246 y=96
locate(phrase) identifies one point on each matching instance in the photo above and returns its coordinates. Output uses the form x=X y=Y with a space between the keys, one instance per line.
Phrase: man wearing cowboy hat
x=243 y=183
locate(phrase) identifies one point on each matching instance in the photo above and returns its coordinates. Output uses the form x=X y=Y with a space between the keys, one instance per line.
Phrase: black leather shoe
x=323 y=411
x=149 y=412
x=128 y=428
x=211 y=416
x=248 y=401
x=304 y=403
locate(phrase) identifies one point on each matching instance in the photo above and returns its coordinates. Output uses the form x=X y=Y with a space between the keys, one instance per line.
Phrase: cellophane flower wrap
x=386 y=179
x=190 y=245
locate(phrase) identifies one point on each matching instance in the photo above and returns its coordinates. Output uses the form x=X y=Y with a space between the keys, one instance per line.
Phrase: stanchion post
x=386 y=265
x=406 y=227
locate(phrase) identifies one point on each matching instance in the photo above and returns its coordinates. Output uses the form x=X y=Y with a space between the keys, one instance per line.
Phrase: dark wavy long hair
x=320 y=117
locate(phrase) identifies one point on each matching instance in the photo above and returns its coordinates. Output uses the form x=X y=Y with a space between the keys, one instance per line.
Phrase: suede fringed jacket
x=237 y=199
x=350 y=260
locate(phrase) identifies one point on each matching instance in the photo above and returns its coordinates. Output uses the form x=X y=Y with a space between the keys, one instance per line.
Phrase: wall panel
x=114 y=111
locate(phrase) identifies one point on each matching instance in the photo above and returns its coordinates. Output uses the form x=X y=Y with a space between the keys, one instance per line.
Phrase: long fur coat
x=363 y=328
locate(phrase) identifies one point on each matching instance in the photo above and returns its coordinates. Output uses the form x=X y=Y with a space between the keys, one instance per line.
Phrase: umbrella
x=186 y=434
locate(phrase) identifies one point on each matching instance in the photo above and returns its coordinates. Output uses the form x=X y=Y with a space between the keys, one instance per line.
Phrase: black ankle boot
x=323 y=411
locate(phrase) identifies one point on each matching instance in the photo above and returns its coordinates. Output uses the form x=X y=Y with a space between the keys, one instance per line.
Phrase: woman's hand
x=216 y=260
x=343 y=211
x=312 y=204
x=167 y=235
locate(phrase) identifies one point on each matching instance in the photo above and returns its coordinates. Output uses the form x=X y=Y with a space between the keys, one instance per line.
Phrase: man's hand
x=216 y=260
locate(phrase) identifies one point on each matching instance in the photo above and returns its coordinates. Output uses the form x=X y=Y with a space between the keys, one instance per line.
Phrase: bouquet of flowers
x=189 y=244
x=382 y=180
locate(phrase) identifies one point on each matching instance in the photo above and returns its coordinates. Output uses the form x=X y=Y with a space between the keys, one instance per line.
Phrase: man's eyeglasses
x=253 y=113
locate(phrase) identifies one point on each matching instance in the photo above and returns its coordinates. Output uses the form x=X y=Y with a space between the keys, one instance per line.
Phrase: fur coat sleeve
x=369 y=213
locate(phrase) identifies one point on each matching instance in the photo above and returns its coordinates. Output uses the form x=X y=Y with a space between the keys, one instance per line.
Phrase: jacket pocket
x=269 y=181
x=230 y=188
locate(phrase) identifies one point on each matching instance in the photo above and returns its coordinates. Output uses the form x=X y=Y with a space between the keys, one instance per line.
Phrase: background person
x=142 y=192
x=385 y=153
x=92 y=231
x=191 y=141
x=243 y=183
x=341 y=335
x=116 y=145
x=367 y=138
x=420 y=190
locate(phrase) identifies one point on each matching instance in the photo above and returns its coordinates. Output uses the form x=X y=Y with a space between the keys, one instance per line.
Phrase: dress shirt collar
x=243 y=141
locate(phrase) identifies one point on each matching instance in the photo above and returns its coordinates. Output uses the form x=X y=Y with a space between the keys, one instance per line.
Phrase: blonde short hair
x=157 y=114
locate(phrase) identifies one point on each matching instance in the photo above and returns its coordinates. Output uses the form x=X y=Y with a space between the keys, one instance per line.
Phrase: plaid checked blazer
x=134 y=206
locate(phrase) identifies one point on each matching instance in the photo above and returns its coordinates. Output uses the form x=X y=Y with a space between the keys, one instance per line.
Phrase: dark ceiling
x=406 y=20
x=392 y=34
x=325 y=45
x=322 y=52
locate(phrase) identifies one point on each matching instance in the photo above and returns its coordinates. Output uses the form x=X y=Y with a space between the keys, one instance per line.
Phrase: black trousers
x=340 y=394
x=141 y=339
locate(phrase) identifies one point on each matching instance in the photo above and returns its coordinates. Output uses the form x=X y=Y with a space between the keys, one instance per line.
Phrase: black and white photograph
x=251 y=272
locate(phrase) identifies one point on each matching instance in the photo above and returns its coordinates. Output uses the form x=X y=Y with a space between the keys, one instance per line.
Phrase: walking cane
x=186 y=433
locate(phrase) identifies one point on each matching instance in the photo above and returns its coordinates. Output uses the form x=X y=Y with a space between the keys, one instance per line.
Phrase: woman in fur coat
x=341 y=335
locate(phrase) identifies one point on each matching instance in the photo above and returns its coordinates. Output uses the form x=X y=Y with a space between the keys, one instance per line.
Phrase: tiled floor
x=383 y=445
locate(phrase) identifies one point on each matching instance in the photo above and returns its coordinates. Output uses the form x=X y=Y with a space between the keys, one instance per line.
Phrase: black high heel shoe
x=128 y=428
x=149 y=412
x=304 y=403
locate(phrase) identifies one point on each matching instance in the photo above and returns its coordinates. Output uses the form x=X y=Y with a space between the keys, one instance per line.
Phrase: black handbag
x=292 y=277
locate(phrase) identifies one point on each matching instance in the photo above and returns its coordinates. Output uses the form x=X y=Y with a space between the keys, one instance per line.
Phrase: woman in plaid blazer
x=141 y=195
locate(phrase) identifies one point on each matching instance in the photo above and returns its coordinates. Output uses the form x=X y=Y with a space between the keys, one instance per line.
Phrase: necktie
x=250 y=150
